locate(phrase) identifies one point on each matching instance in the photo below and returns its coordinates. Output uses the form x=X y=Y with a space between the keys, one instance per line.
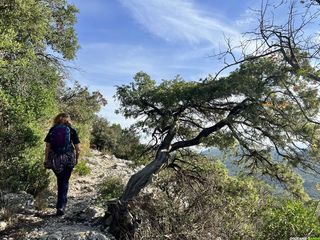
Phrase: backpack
x=60 y=139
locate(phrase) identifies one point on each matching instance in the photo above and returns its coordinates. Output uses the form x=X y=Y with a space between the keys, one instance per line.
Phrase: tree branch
x=207 y=131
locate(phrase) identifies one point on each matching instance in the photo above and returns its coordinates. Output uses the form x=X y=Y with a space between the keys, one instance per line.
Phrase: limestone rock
x=55 y=236
x=97 y=236
x=21 y=200
x=3 y=225
x=94 y=212
x=82 y=219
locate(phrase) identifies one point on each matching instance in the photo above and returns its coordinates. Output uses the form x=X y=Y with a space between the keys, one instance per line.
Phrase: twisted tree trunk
x=122 y=224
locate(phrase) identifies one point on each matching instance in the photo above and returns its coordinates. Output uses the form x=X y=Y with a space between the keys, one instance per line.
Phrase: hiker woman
x=61 y=155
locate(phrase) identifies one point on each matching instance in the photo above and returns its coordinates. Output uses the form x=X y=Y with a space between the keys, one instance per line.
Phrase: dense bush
x=285 y=218
x=26 y=176
x=123 y=143
x=200 y=201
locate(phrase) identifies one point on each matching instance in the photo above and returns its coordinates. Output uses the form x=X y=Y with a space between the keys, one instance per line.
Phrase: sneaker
x=60 y=212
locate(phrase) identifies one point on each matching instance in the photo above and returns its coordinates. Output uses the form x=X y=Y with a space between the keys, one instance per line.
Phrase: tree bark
x=139 y=180
x=123 y=224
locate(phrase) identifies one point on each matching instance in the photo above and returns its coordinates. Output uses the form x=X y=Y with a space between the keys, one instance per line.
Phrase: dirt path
x=84 y=213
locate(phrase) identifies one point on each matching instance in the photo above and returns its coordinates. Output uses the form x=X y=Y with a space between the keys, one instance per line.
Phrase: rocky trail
x=82 y=220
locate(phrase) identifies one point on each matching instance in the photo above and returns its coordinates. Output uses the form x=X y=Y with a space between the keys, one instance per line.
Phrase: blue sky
x=163 y=38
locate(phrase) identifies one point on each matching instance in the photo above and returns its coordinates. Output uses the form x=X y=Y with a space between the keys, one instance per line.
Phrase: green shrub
x=23 y=175
x=82 y=169
x=111 y=187
x=182 y=199
x=123 y=143
x=286 y=218
x=234 y=208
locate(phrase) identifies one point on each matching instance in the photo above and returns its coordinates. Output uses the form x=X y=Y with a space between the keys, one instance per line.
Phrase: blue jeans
x=63 y=185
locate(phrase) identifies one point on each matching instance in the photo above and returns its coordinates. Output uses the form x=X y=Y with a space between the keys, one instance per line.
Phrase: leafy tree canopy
x=260 y=106
x=30 y=27
x=35 y=37
x=123 y=143
x=80 y=103
x=269 y=103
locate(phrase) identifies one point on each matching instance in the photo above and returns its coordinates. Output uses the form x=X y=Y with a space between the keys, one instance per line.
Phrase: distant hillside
x=310 y=179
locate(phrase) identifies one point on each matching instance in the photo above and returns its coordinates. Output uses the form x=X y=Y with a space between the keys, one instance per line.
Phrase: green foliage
x=111 y=187
x=123 y=143
x=104 y=136
x=28 y=35
x=179 y=204
x=80 y=103
x=83 y=130
x=29 y=79
x=234 y=207
x=82 y=169
x=286 y=218
x=23 y=175
x=260 y=107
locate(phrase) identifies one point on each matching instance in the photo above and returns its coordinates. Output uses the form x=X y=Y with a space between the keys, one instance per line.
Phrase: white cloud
x=104 y=65
x=107 y=64
x=179 y=20
x=247 y=20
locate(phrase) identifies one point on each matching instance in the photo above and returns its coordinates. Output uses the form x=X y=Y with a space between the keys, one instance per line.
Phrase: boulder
x=55 y=236
x=20 y=200
x=97 y=236
x=93 y=212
